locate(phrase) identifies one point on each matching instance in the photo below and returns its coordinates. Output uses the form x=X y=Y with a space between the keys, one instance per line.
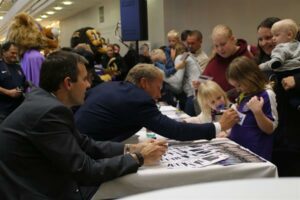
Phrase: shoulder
x=33 y=54
x=38 y=95
x=2 y=65
x=270 y=92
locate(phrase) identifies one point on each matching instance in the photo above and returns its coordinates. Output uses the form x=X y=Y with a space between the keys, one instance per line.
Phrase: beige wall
x=242 y=16
x=90 y=17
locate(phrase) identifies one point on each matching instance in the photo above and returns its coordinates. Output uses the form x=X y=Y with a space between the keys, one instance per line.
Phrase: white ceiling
x=68 y=10
x=36 y=8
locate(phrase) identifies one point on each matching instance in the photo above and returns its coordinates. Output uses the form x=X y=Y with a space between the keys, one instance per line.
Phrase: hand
x=222 y=134
x=153 y=151
x=139 y=146
x=180 y=65
x=255 y=104
x=196 y=84
x=229 y=118
x=14 y=93
x=288 y=82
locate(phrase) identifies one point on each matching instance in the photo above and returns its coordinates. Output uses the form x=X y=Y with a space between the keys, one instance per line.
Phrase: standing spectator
x=286 y=54
x=256 y=105
x=226 y=48
x=113 y=64
x=183 y=36
x=173 y=39
x=194 y=42
x=12 y=80
x=182 y=79
x=265 y=41
x=212 y=100
x=144 y=54
x=116 y=49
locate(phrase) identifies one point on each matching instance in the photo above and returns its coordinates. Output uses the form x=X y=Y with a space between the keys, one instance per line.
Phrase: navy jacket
x=11 y=76
x=117 y=110
x=43 y=156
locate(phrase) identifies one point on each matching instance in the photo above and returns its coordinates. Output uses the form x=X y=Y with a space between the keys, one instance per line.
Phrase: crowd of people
x=61 y=130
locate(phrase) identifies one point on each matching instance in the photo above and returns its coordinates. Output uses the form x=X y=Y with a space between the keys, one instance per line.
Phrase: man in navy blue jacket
x=117 y=110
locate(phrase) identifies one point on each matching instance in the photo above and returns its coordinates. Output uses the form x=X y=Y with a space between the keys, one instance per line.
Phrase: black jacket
x=43 y=156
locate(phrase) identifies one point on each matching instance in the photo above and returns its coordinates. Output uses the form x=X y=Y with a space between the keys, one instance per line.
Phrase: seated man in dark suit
x=117 y=110
x=43 y=156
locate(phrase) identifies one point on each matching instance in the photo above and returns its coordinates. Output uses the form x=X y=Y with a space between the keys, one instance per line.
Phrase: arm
x=151 y=118
x=55 y=137
x=255 y=104
x=177 y=79
x=195 y=120
x=173 y=70
x=13 y=93
x=278 y=57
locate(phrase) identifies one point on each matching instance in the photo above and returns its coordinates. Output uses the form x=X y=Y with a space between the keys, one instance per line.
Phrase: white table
x=254 y=189
x=158 y=177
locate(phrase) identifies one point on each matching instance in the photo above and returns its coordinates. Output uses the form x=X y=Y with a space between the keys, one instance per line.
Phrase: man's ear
x=143 y=83
x=67 y=83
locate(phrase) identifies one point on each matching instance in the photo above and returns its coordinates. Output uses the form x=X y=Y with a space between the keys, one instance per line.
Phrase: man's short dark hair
x=197 y=34
x=6 y=45
x=57 y=66
x=184 y=34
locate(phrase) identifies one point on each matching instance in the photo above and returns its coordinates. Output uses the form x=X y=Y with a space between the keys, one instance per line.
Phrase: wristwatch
x=139 y=158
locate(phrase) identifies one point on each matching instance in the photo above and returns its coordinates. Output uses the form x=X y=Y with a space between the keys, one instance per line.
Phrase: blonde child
x=212 y=99
x=159 y=59
x=286 y=54
x=256 y=105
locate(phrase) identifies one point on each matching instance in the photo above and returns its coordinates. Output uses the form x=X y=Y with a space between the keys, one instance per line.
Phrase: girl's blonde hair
x=247 y=73
x=180 y=48
x=173 y=33
x=206 y=91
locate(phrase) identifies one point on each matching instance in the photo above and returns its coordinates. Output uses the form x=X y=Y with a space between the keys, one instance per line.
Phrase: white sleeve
x=176 y=79
x=273 y=103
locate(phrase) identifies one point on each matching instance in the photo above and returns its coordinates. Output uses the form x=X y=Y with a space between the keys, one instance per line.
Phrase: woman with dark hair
x=286 y=151
x=265 y=43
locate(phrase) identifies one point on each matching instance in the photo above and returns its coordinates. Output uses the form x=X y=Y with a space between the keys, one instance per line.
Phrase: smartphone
x=203 y=78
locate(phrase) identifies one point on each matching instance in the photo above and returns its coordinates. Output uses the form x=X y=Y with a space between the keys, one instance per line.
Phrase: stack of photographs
x=196 y=155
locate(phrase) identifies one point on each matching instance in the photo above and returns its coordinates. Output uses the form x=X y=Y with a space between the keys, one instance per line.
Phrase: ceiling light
x=67 y=2
x=38 y=19
x=50 y=12
x=57 y=8
x=1 y=17
x=44 y=16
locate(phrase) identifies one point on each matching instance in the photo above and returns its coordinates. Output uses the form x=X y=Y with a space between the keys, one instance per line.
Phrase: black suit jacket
x=117 y=110
x=43 y=156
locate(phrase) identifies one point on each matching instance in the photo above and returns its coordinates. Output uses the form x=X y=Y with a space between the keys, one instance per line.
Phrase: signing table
x=250 y=189
x=188 y=163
